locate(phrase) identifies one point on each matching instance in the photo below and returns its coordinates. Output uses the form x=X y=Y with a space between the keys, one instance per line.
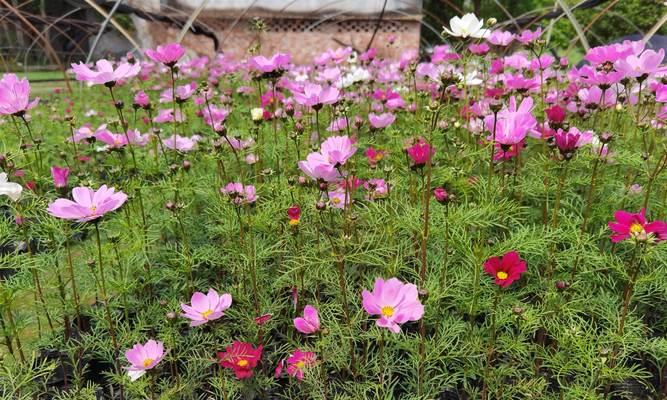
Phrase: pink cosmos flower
x=314 y=95
x=206 y=307
x=381 y=121
x=262 y=64
x=500 y=38
x=167 y=115
x=479 y=48
x=86 y=133
x=241 y=358
x=118 y=140
x=607 y=54
x=529 y=36
x=337 y=125
x=318 y=167
x=59 y=176
x=513 y=123
x=337 y=198
x=88 y=204
x=167 y=54
x=420 y=152
x=143 y=357
x=183 y=92
x=394 y=301
x=641 y=66
x=105 y=74
x=377 y=188
x=505 y=269
x=337 y=150
x=633 y=226
x=15 y=95
x=141 y=99
x=180 y=143
x=309 y=323
x=297 y=363
x=441 y=195
x=568 y=142
x=240 y=194
x=215 y=116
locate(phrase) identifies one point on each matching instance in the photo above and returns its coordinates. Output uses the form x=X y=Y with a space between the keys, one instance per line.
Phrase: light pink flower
x=206 y=307
x=88 y=204
x=239 y=193
x=310 y=322
x=15 y=95
x=394 y=301
x=105 y=74
x=276 y=62
x=381 y=121
x=143 y=357
x=337 y=150
x=180 y=143
x=314 y=95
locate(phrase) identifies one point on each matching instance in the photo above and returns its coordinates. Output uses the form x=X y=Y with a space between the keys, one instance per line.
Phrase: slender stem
x=12 y=324
x=591 y=189
x=75 y=294
x=492 y=342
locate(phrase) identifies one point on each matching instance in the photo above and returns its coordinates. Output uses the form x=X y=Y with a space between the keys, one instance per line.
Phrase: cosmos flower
x=15 y=95
x=297 y=363
x=309 y=323
x=634 y=226
x=104 y=72
x=505 y=269
x=467 y=26
x=240 y=357
x=206 y=307
x=10 y=189
x=88 y=204
x=394 y=301
x=143 y=357
x=167 y=54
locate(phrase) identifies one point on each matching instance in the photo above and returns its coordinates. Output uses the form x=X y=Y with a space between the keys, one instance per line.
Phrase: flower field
x=485 y=221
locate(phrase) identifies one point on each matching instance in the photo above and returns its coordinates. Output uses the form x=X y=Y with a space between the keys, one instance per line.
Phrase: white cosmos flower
x=467 y=26
x=470 y=79
x=10 y=189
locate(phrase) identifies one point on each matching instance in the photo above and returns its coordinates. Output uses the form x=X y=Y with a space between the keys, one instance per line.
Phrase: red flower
x=505 y=269
x=294 y=215
x=240 y=357
x=634 y=226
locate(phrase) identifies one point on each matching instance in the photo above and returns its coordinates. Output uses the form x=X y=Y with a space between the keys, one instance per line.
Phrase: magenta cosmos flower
x=241 y=358
x=394 y=301
x=505 y=269
x=309 y=323
x=59 y=176
x=420 y=153
x=180 y=143
x=297 y=363
x=88 y=204
x=167 y=54
x=634 y=226
x=206 y=307
x=15 y=95
x=143 y=357
x=105 y=73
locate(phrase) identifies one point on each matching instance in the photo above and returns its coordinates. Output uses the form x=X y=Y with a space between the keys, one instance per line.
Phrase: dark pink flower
x=633 y=226
x=505 y=269
x=241 y=358
x=420 y=153
x=59 y=176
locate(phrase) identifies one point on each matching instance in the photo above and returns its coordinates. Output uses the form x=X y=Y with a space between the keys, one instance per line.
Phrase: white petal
x=134 y=375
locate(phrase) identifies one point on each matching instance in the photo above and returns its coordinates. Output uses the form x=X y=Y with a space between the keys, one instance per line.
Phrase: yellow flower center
x=501 y=275
x=300 y=364
x=293 y=222
x=636 y=228
x=387 y=311
x=242 y=363
x=378 y=156
x=206 y=313
x=335 y=200
x=148 y=362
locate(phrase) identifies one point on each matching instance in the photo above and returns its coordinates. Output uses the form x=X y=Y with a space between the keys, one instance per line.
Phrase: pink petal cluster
x=333 y=154
x=309 y=323
x=206 y=307
x=314 y=95
x=143 y=357
x=394 y=301
x=167 y=54
x=239 y=193
x=297 y=363
x=634 y=226
x=88 y=204
x=264 y=65
x=105 y=74
x=15 y=95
